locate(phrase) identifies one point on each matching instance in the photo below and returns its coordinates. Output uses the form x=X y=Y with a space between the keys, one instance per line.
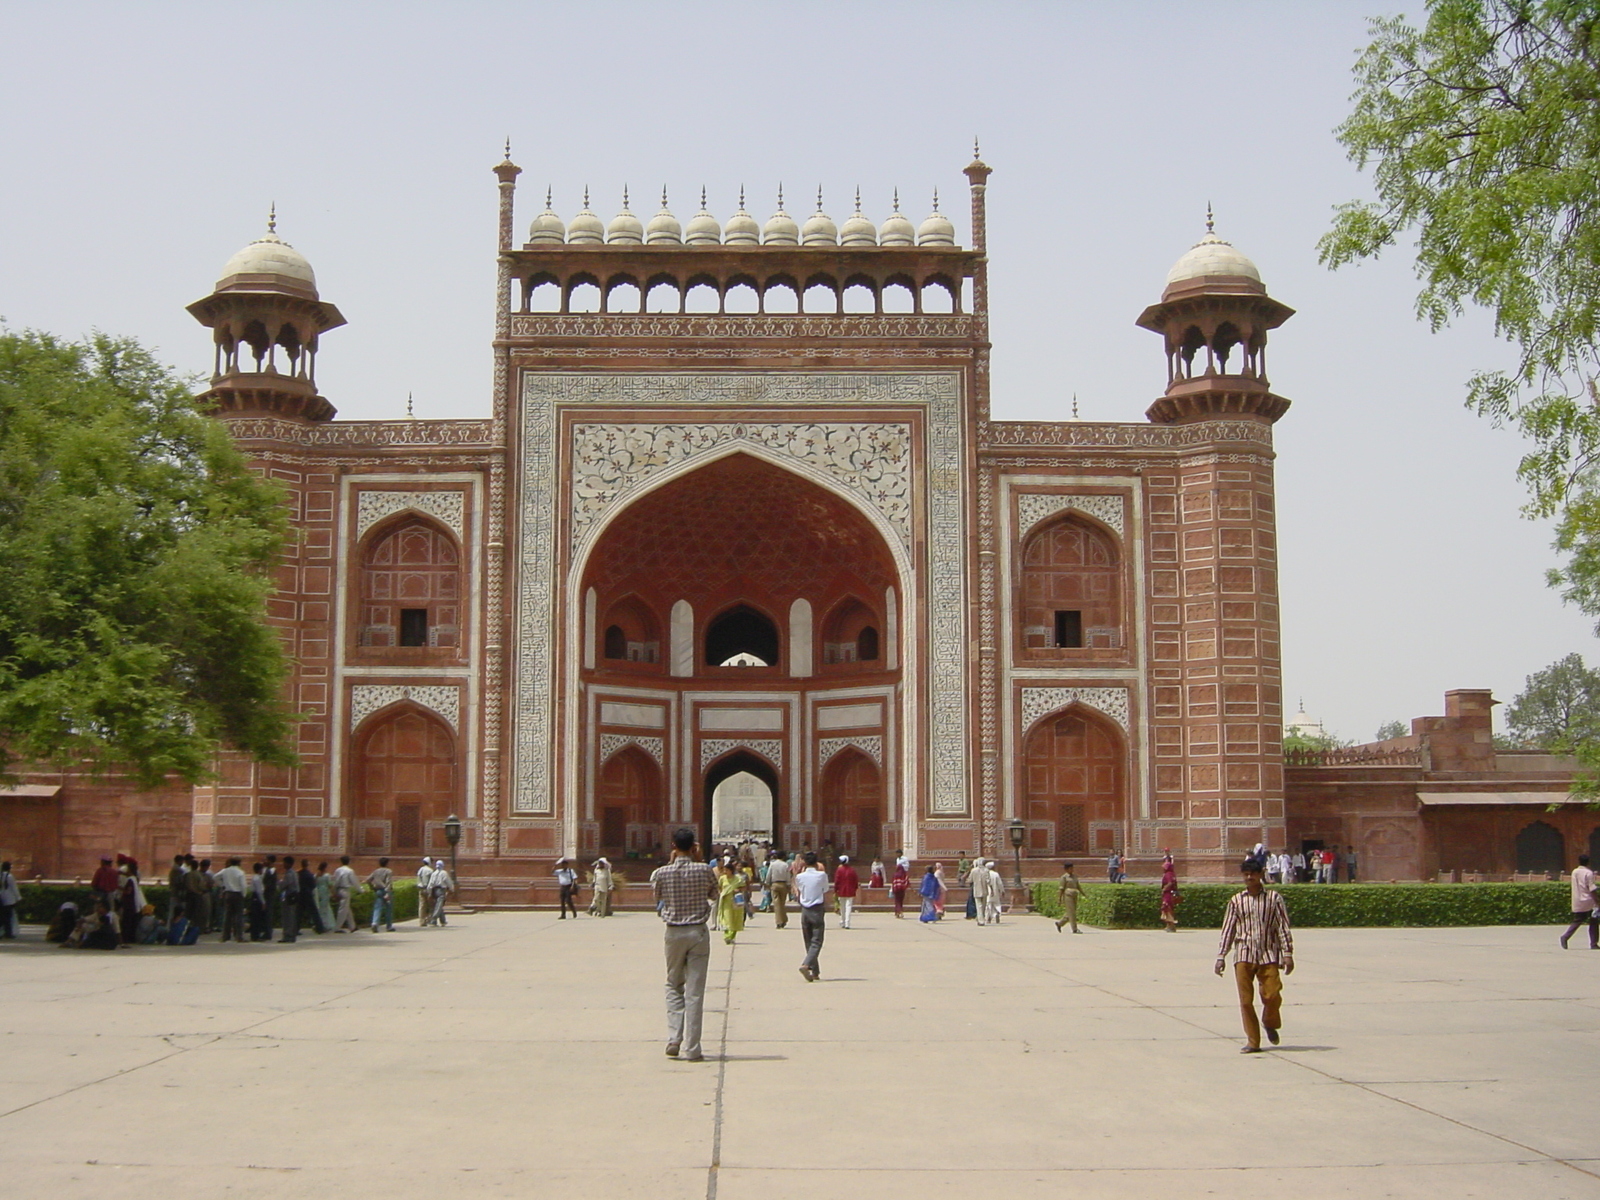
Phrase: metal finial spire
x=586 y=197
x=1211 y=225
x=410 y=416
x=702 y=197
x=549 y=192
x=663 y=195
x=935 y=199
x=819 y=197
x=975 y=153
x=1074 y=406
x=780 y=195
x=272 y=218
x=508 y=149
x=897 y=199
x=858 y=198
x=624 y=197
x=741 y=197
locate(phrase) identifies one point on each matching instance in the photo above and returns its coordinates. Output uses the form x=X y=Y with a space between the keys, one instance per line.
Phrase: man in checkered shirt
x=1256 y=926
x=685 y=891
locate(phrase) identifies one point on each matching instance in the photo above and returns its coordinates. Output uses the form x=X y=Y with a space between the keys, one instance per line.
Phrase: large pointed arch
x=1075 y=776
x=405 y=775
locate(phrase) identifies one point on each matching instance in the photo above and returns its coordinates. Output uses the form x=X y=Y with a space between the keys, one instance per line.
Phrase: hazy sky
x=144 y=142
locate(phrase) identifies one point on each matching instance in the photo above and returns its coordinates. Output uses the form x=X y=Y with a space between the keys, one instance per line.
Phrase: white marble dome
x=857 y=230
x=663 y=229
x=780 y=229
x=703 y=229
x=585 y=229
x=741 y=229
x=547 y=228
x=271 y=255
x=1212 y=256
x=936 y=230
x=625 y=228
x=819 y=229
x=897 y=229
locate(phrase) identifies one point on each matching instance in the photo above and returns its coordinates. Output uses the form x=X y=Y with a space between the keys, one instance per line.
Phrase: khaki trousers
x=1247 y=976
x=780 y=904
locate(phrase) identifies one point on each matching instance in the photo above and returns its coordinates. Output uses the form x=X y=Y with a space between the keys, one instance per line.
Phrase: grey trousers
x=688 y=958
x=813 y=921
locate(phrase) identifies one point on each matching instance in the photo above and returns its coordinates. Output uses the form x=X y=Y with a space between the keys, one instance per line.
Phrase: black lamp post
x=1018 y=832
x=452 y=834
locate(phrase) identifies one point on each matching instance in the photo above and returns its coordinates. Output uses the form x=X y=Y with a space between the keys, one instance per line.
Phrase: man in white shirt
x=1584 y=908
x=440 y=885
x=811 y=891
x=978 y=881
x=231 y=883
x=997 y=893
x=344 y=886
x=424 y=900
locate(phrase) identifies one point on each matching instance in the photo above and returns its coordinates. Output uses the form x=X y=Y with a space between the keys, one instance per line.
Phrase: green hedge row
x=40 y=901
x=1138 y=906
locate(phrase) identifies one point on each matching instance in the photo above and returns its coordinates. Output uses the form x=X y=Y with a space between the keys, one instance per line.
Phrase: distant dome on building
x=271 y=257
x=936 y=230
x=1211 y=256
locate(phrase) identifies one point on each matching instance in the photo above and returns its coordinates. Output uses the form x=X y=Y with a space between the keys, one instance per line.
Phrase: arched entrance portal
x=632 y=805
x=405 y=779
x=1540 y=848
x=720 y=609
x=743 y=783
x=1074 y=779
x=850 y=808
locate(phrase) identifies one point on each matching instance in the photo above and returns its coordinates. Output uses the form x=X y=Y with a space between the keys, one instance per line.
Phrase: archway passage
x=740 y=765
x=1071 y=588
x=739 y=534
x=742 y=632
x=1540 y=848
x=1074 y=779
x=405 y=778
x=850 y=805
x=741 y=809
x=411 y=589
x=632 y=804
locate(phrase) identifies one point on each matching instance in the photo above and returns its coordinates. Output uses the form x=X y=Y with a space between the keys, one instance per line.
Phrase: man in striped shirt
x=1256 y=926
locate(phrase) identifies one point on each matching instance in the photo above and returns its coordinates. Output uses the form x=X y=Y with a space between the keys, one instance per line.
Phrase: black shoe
x=672 y=1049
x=1272 y=1036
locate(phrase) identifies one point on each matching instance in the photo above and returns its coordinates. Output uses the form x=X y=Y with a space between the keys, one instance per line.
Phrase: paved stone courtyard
x=516 y=1055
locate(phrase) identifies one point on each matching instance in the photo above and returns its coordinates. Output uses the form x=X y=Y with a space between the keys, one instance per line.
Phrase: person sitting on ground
x=98 y=931
x=152 y=929
x=63 y=923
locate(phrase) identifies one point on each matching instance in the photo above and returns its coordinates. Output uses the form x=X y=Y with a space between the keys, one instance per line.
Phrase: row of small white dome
x=741 y=229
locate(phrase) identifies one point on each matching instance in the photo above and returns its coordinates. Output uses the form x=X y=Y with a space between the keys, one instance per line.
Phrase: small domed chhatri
x=741 y=229
x=585 y=229
x=625 y=228
x=858 y=231
x=547 y=228
x=780 y=229
x=1213 y=258
x=704 y=229
x=663 y=229
x=269 y=261
x=819 y=229
x=936 y=230
x=897 y=228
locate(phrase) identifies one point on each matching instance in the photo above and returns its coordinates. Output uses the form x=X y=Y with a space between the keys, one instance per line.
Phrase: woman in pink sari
x=1170 y=899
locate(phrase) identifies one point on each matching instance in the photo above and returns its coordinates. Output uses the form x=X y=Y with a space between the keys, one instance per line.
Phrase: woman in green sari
x=730 y=904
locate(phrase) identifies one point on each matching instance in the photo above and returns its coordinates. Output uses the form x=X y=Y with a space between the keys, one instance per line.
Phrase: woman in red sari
x=897 y=888
x=1170 y=899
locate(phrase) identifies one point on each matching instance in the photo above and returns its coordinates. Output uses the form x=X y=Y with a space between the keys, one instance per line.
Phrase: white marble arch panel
x=1034 y=507
x=938 y=393
x=1041 y=702
x=369 y=698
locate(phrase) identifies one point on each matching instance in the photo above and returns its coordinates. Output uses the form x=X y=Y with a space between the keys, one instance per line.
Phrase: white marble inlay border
x=1033 y=507
x=937 y=393
x=373 y=505
x=610 y=743
x=610 y=463
x=1113 y=701
x=368 y=698
x=872 y=744
x=770 y=748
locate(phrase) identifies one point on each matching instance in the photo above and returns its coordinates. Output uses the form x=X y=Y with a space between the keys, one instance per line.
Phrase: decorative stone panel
x=373 y=506
x=1033 y=507
x=610 y=743
x=368 y=698
x=1112 y=701
x=871 y=744
x=769 y=748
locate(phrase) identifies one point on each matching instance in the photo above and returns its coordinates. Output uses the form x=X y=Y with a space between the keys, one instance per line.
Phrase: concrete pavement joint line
x=1306 y=1065
x=722 y=1079
x=212 y=1039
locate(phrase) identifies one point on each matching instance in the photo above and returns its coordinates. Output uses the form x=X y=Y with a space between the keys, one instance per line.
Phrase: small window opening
x=1069 y=629
x=867 y=644
x=413 y=627
x=616 y=642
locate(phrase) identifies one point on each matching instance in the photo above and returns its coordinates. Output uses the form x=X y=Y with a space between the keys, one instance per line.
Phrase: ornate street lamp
x=1019 y=833
x=452 y=834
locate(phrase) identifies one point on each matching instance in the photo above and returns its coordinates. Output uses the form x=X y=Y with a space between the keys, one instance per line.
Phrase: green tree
x=1391 y=729
x=1482 y=131
x=136 y=548
x=1558 y=709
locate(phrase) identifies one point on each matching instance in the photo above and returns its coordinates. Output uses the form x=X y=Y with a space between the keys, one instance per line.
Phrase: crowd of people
x=274 y=897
